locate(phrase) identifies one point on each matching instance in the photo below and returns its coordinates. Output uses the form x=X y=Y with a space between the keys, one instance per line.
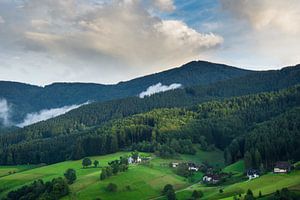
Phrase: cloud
x=165 y=5
x=4 y=112
x=264 y=14
x=105 y=42
x=159 y=88
x=45 y=114
x=260 y=33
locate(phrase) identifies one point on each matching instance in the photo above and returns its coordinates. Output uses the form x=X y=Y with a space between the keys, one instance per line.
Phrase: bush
x=171 y=195
x=297 y=166
x=167 y=188
x=169 y=192
x=197 y=194
x=128 y=188
x=260 y=194
x=111 y=187
x=54 y=189
x=70 y=175
x=86 y=162
x=96 y=163
x=249 y=195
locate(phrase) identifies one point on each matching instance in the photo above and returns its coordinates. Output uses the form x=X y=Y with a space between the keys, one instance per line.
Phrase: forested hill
x=24 y=98
x=97 y=113
x=167 y=131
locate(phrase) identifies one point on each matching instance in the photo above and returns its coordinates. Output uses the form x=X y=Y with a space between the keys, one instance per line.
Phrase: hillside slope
x=216 y=122
x=97 y=113
x=24 y=98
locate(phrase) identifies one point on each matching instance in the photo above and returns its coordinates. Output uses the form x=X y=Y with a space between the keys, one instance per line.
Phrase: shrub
x=70 y=175
x=111 y=187
x=167 y=188
x=128 y=187
x=197 y=194
x=86 y=162
x=96 y=163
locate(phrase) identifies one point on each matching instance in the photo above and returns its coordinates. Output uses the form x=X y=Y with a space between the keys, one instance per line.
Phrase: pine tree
x=248 y=160
x=257 y=158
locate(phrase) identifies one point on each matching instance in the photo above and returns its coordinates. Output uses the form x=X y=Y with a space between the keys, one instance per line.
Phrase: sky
x=107 y=41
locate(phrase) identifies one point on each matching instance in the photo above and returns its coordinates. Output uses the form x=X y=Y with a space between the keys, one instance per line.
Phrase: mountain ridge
x=27 y=98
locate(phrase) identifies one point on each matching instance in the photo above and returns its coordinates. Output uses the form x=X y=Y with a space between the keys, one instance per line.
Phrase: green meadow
x=237 y=168
x=139 y=182
x=145 y=181
x=267 y=184
x=8 y=170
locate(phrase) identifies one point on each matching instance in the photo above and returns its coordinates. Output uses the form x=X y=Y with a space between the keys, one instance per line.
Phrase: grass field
x=8 y=170
x=237 y=169
x=267 y=184
x=49 y=172
x=145 y=182
x=214 y=158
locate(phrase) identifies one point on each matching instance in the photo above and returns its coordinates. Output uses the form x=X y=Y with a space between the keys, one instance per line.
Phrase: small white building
x=175 y=164
x=206 y=178
x=211 y=178
x=138 y=160
x=252 y=174
x=282 y=167
x=193 y=169
x=132 y=161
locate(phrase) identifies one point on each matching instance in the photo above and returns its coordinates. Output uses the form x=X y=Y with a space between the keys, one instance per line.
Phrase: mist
x=159 y=88
x=4 y=112
x=45 y=114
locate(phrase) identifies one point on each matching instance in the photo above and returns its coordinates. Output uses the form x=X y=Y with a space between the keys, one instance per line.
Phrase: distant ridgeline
x=170 y=122
x=24 y=98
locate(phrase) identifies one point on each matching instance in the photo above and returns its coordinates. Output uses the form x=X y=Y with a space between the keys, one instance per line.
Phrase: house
x=130 y=160
x=193 y=167
x=139 y=159
x=252 y=174
x=174 y=164
x=211 y=178
x=282 y=167
x=207 y=178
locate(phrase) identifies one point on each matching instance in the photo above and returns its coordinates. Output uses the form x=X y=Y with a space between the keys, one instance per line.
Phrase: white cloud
x=165 y=5
x=115 y=40
x=4 y=112
x=159 y=88
x=261 y=34
x=265 y=14
x=45 y=114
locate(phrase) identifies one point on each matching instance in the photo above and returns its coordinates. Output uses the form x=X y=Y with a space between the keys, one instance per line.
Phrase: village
x=211 y=174
x=216 y=176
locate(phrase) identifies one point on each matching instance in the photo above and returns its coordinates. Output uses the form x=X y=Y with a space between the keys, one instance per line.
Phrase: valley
x=199 y=141
x=149 y=100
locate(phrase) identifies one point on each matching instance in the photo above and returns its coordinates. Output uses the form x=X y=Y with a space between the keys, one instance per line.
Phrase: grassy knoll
x=146 y=181
x=139 y=182
x=237 y=169
x=51 y=171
